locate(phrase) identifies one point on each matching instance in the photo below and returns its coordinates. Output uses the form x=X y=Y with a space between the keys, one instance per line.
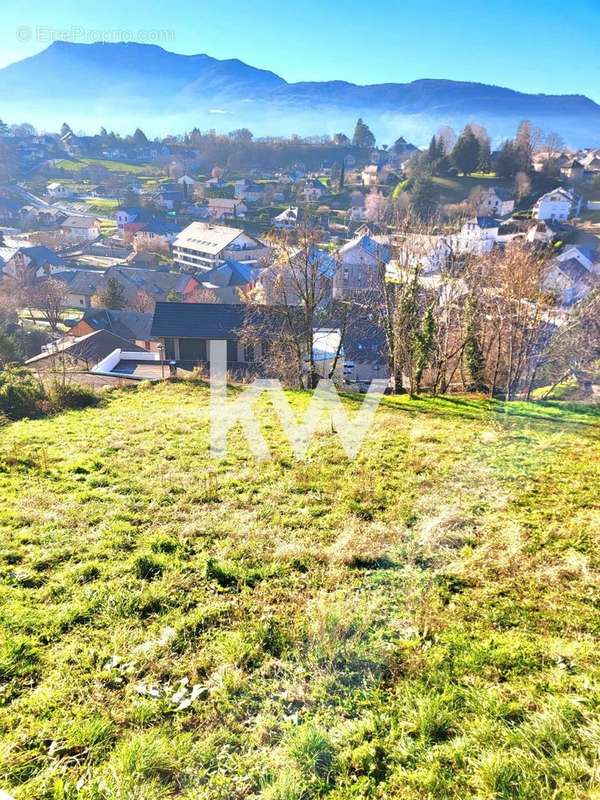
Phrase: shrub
x=20 y=393
x=71 y=395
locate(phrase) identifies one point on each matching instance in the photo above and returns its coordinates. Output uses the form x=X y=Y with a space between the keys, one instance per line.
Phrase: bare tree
x=50 y=297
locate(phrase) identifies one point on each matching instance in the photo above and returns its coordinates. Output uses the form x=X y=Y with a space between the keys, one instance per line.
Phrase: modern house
x=478 y=235
x=186 y=330
x=202 y=246
x=76 y=358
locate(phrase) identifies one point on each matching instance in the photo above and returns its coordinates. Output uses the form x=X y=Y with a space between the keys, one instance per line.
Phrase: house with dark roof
x=76 y=358
x=82 y=285
x=133 y=326
x=186 y=330
x=496 y=202
x=29 y=261
x=157 y=284
x=225 y=280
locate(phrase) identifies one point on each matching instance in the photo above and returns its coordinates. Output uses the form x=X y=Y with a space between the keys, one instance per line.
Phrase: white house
x=370 y=175
x=287 y=220
x=570 y=280
x=81 y=229
x=357 y=263
x=496 y=202
x=478 y=235
x=557 y=205
x=59 y=191
x=203 y=246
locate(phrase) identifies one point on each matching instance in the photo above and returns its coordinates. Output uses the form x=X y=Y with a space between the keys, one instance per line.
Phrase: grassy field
x=75 y=165
x=421 y=622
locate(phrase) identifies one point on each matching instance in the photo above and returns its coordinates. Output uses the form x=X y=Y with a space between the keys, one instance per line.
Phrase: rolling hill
x=124 y=85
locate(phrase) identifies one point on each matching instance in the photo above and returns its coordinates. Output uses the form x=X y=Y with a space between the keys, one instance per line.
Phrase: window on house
x=249 y=353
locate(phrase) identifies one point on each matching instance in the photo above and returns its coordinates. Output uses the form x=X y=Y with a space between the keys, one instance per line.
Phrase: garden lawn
x=421 y=622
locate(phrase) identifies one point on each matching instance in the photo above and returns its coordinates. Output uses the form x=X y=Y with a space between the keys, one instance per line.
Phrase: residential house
x=152 y=284
x=169 y=197
x=570 y=280
x=478 y=235
x=248 y=190
x=227 y=280
x=131 y=219
x=496 y=202
x=358 y=207
x=133 y=326
x=557 y=205
x=588 y=258
x=370 y=175
x=156 y=233
x=186 y=330
x=224 y=208
x=81 y=228
x=313 y=190
x=202 y=246
x=29 y=262
x=574 y=170
x=9 y=210
x=81 y=284
x=283 y=276
x=76 y=358
x=59 y=191
x=287 y=220
x=358 y=262
x=43 y=216
x=188 y=185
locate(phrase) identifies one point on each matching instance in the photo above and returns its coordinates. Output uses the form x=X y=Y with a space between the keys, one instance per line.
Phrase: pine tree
x=423 y=198
x=465 y=155
x=363 y=137
x=473 y=357
x=112 y=296
x=424 y=344
x=342 y=175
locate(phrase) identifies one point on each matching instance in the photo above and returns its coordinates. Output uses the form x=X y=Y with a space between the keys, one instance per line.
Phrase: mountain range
x=126 y=85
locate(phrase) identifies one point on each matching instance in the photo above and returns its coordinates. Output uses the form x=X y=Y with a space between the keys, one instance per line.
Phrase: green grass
x=457 y=189
x=421 y=622
x=76 y=165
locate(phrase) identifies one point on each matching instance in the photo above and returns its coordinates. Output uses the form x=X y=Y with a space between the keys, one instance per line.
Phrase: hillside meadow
x=421 y=622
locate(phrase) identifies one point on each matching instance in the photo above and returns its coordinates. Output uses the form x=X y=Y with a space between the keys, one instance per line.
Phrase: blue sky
x=534 y=46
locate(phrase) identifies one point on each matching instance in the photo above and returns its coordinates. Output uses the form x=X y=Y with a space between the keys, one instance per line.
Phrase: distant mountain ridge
x=124 y=85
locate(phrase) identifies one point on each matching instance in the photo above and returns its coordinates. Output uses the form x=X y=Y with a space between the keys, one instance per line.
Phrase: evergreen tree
x=465 y=155
x=485 y=156
x=423 y=198
x=508 y=160
x=424 y=344
x=363 y=137
x=65 y=129
x=473 y=357
x=342 y=175
x=112 y=296
x=139 y=138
